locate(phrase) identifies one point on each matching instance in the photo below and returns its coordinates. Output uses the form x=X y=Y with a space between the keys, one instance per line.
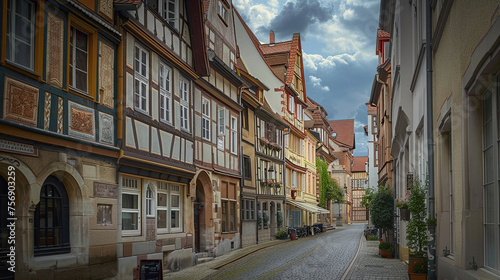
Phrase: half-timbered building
x=163 y=55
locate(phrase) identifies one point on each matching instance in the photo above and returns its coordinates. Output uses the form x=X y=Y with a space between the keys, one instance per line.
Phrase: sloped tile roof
x=277 y=47
x=359 y=164
x=345 y=132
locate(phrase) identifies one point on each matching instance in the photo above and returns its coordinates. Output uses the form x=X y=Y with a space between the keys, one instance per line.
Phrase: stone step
x=204 y=260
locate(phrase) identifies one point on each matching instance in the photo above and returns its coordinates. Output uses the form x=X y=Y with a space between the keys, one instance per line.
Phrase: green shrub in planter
x=281 y=234
x=384 y=245
x=372 y=237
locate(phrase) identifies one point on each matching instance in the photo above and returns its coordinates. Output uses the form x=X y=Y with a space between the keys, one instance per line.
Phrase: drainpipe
x=284 y=177
x=431 y=251
x=242 y=180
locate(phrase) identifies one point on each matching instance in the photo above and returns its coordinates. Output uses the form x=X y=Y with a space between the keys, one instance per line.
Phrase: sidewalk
x=200 y=271
x=369 y=265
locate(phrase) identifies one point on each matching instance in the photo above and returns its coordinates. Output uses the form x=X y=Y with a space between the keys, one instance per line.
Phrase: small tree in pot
x=382 y=209
x=416 y=230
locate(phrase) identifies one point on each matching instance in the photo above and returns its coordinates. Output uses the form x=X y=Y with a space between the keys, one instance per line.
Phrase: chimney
x=271 y=37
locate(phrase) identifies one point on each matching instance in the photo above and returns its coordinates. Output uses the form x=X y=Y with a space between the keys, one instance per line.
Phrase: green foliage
x=279 y=218
x=416 y=230
x=372 y=237
x=382 y=208
x=367 y=197
x=329 y=188
x=384 y=245
x=281 y=234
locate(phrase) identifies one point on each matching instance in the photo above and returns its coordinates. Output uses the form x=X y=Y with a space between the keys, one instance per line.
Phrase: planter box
x=383 y=253
x=417 y=276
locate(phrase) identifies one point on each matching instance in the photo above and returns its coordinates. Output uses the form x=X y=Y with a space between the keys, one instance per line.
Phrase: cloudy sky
x=338 y=46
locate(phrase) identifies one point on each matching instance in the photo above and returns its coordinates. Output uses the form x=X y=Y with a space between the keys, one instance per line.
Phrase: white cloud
x=315 y=61
x=349 y=14
x=260 y=14
x=317 y=83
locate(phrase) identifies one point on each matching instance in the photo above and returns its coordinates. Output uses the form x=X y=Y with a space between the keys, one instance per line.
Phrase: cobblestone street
x=325 y=256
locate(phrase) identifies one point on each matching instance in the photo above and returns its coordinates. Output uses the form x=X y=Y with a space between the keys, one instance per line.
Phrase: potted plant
x=282 y=235
x=402 y=204
x=416 y=232
x=372 y=237
x=390 y=251
x=384 y=246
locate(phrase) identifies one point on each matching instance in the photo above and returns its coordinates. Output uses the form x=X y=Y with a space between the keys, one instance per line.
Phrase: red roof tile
x=345 y=132
x=277 y=47
x=359 y=164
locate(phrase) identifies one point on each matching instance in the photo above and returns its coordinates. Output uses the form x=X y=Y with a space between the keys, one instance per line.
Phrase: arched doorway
x=202 y=212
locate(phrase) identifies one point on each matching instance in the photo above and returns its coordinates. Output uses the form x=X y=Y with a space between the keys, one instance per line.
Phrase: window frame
x=184 y=103
x=221 y=122
x=222 y=11
x=8 y=37
x=92 y=57
x=73 y=68
x=135 y=191
x=141 y=79
x=247 y=167
x=165 y=84
x=150 y=206
x=168 y=190
x=234 y=135
x=205 y=118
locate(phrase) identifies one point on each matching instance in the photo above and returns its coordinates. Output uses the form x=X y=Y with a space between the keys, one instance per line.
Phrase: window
x=234 y=136
x=104 y=214
x=169 y=10
x=299 y=112
x=244 y=115
x=131 y=205
x=222 y=10
x=78 y=60
x=229 y=207
x=247 y=168
x=222 y=121
x=21 y=33
x=294 y=179
x=374 y=125
x=184 y=94
x=291 y=104
x=141 y=80
x=51 y=229
x=149 y=203
x=248 y=210
x=205 y=108
x=165 y=93
x=169 y=216
x=491 y=191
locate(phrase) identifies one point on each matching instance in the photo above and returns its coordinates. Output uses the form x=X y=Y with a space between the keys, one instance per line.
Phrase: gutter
x=431 y=251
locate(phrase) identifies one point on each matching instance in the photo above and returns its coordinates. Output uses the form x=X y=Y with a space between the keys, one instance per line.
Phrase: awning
x=308 y=207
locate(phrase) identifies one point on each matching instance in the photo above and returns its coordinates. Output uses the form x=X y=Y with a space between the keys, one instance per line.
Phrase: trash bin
x=293 y=235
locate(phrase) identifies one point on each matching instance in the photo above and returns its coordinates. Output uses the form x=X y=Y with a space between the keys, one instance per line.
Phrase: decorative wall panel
x=106 y=7
x=106 y=128
x=106 y=74
x=81 y=121
x=60 y=115
x=54 y=52
x=20 y=102
x=46 y=112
